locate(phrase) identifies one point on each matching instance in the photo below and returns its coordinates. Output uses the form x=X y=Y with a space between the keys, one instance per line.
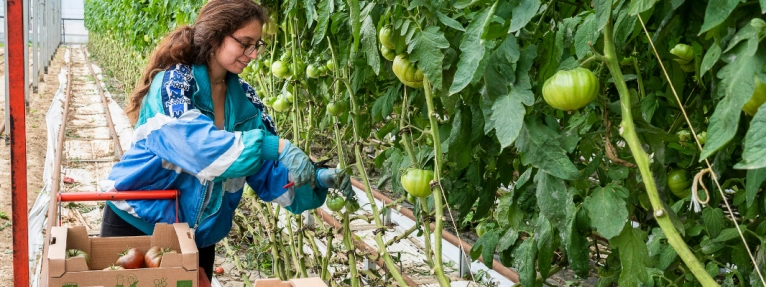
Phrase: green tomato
x=330 y=65
x=280 y=70
x=684 y=52
x=286 y=56
x=147 y=39
x=335 y=203
x=570 y=90
x=678 y=181
x=267 y=62
x=269 y=101
x=281 y=105
x=417 y=182
x=322 y=70
x=387 y=53
x=757 y=99
x=336 y=109
x=312 y=71
x=684 y=135
x=481 y=229
x=289 y=96
x=702 y=137
x=384 y=36
x=407 y=72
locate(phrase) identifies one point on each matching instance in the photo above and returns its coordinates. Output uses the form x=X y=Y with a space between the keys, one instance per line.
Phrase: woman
x=202 y=130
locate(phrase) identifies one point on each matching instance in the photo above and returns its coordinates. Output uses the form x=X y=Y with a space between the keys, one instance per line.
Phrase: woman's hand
x=299 y=164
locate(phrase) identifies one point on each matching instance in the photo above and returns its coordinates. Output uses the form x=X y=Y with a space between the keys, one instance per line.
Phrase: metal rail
x=117 y=147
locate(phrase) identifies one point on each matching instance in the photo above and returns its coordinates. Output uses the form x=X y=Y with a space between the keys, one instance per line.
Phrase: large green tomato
x=337 y=108
x=570 y=90
x=280 y=70
x=684 y=52
x=312 y=71
x=335 y=203
x=387 y=53
x=330 y=65
x=407 y=72
x=757 y=99
x=281 y=104
x=417 y=182
x=384 y=36
x=678 y=181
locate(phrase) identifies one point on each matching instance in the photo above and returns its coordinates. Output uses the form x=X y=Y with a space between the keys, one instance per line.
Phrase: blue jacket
x=177 y=146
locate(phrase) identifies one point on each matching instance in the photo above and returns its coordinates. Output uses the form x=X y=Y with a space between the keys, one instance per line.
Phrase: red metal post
x=123 y=195
x=16 y=89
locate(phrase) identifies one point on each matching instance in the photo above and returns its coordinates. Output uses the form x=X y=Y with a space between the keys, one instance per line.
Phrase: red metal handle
x=112 y=195
x=122 y=195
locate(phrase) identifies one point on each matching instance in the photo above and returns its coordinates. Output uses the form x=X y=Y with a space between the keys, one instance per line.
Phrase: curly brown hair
x=194 y=44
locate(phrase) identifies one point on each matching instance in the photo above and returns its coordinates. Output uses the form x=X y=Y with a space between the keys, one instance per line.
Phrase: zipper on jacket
x=205 y=201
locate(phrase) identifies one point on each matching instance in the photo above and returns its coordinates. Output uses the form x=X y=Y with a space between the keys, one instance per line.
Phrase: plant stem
x=392 y=268
x=437 y=188
x=325 y=274
x=642 y=160
x=348 y=242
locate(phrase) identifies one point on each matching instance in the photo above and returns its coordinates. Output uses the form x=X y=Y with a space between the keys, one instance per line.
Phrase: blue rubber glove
x=299 y=164
x=334 y=178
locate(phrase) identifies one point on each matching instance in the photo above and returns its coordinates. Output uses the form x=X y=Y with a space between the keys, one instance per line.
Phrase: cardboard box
x=176 y=270
x=305 y=282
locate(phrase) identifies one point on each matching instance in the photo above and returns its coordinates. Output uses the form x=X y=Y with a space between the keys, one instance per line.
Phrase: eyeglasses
x=260 y=46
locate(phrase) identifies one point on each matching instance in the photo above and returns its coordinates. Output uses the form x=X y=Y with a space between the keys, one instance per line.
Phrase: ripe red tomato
x=417 y=182
x=570 y=90
x=335 y=203
x=153 y=257
x=219 y=270
x=132 y=258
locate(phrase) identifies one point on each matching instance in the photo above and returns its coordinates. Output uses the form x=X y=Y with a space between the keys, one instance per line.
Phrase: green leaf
x=524 y=261
x=709 y=246
x=426 y=50
x=310 y=12
x=755 y=178
x=586 y=32
x=603 y=12
x=507 y=240
x=634 y=257
x=763 y=6
x=499 y=74
x=449 y=22
x=576 y=245
x=384 y=105
x=729 y=234
x=607 y=212
x=550 y=55
x=324 y=9
x=638 y=6
x=523 y=179
x=711 y=269
x=754 y=154
x=355 y=21
x=370 y=44
x=667 y=256
x=523 y=67
x=711 y=57
x=553 y=200
x=507 y=119
x=717 y=11
x=472 y=50
x=713 y=220
x=545 y=245
x=544 y=152
x=487 y=245
x=623 y=27
x=523 y=13
x=737 y=84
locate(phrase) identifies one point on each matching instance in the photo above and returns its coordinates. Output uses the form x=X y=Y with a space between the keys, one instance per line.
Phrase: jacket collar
x=238 y=106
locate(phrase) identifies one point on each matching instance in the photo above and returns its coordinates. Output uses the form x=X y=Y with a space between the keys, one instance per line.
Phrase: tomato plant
x=468 y=96
x=132 y=258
